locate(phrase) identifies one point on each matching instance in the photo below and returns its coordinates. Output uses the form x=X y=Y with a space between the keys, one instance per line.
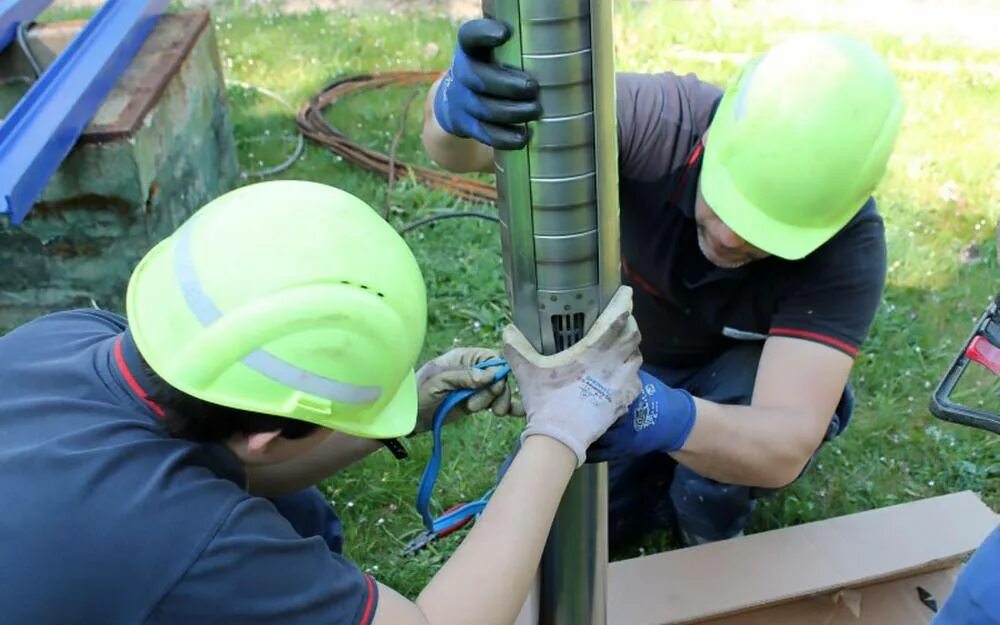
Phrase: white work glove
x=456 y=370
x=577 y=394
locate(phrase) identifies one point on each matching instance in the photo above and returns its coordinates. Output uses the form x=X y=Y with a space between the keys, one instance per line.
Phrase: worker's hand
x=575 y=395
x=454 y=371
x=659 y=420
x=481 y=99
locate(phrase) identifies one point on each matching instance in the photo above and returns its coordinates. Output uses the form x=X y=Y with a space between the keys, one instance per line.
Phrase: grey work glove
x=576 y=395
x=456 y=370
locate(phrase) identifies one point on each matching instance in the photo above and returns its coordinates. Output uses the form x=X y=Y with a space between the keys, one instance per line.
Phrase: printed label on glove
x=594 y=392
x=647 y=411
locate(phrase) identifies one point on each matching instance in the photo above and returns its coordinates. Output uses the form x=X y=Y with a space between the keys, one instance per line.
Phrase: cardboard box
x=866 y=568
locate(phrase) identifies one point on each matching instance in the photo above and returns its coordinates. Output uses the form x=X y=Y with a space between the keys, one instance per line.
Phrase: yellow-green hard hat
x=287 y=298
x=799 y=142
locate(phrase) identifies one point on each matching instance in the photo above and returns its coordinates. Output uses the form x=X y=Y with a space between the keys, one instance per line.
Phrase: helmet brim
x=756 y=226
x=398 y=418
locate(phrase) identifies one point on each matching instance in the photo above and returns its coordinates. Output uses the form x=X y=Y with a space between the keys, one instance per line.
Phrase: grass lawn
x=942 y=195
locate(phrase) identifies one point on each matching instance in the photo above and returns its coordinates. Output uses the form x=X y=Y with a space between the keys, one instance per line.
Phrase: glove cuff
x=441 y=112
x=669 y=412
x=683 y=422
x=560 y=435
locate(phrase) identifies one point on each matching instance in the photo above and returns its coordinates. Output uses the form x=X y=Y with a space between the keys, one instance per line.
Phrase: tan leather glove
x=456 y=370
x=577 y=394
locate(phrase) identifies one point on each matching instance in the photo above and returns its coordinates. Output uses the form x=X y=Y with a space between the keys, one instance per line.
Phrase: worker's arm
x=457 y=154
x=798 y=386
x=487 y=580
x=436 y=379
x=478 y=105
x=571 y=398
x=768 y=443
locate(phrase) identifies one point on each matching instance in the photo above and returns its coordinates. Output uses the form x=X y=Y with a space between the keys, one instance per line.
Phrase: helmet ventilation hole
x=363 y=286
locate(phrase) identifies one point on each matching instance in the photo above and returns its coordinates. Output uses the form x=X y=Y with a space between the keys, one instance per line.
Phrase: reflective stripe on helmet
x=259 y=360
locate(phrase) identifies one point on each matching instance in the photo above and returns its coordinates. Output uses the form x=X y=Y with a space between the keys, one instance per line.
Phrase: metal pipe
x=559 y=223
x=45 y=124
x=14 y=12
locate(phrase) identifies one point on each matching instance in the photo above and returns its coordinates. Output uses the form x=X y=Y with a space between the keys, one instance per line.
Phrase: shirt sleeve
x=83 y=322
x=661 y=117
x=257 y=570
x=838 y=289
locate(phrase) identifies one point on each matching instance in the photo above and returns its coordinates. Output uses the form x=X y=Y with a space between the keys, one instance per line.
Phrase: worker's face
x=720 y=245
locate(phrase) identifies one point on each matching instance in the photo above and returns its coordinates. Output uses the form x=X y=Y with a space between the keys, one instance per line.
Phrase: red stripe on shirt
x=695 y=153
x=132 y=382
x=847 y=348
x=369 y=613
x=640 y=281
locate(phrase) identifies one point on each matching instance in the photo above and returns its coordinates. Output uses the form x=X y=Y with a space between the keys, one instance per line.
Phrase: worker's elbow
x=786 y=470
x=780 y=478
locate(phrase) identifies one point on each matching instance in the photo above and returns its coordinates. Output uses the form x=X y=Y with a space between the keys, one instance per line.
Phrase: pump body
x=558 y=202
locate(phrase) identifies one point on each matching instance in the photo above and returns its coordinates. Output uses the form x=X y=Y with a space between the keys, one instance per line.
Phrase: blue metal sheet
x=12 y=12
x=45 y=124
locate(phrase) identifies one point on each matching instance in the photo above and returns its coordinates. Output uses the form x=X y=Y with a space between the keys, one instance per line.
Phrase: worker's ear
x=258 y=443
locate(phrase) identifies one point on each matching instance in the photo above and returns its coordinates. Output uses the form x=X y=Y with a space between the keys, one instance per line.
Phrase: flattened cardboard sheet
x=888 y=603
x=771 y=568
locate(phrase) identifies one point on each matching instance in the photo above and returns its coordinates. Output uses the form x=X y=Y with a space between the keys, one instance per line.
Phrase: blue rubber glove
x=660 y=419
x=482 y=99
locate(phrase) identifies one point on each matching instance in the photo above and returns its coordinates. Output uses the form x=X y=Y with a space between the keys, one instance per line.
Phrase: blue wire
x=433 y=467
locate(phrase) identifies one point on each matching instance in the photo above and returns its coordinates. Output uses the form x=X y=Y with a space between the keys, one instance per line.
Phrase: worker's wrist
x=557 y=435
x=442 y=106
x=669 y=412
x=548 y=446
x=682 y=424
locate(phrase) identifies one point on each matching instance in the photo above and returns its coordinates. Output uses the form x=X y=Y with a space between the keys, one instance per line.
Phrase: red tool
x=426 y=537
x=982 y=347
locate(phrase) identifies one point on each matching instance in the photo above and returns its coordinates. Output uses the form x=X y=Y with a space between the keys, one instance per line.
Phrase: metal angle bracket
x=13 y=12
x=46 y=123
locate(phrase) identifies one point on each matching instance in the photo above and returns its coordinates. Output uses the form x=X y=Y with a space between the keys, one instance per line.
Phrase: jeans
x=653 y=492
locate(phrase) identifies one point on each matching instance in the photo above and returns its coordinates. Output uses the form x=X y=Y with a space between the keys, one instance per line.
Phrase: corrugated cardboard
x=888 y=603
x=858 y=551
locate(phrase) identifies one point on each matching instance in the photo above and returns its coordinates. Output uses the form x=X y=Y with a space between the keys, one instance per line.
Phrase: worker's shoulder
x=633 y=85
x=856 y=254
x=866 y=230
x=689 y=79
x=82 y=322
x=140 y=509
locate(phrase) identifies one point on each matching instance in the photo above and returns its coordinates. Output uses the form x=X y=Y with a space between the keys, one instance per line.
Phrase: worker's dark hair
x=194 y=419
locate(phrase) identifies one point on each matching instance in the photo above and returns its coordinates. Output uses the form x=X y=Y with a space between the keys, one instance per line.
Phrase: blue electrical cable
x=466 y=511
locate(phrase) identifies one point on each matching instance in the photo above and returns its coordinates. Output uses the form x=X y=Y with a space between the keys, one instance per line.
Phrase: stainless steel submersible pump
x=559 y=210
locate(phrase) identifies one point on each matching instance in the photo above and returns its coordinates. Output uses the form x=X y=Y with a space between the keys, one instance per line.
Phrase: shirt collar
x=687 y=186
x=123 y=364
x=127 y=365
x=699 y=272
x=118 y=364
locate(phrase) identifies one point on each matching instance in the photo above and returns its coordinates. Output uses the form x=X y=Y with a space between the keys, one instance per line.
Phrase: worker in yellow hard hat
x=756 y=252
x=269 y=342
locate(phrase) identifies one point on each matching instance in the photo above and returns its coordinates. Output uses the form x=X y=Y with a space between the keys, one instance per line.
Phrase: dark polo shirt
x=106 y=519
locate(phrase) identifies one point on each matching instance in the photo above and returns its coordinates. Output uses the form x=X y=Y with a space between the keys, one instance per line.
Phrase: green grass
x=941 y=195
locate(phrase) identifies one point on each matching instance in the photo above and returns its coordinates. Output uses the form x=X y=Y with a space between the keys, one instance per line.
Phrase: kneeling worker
x=755 y=249
x=272 y=336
